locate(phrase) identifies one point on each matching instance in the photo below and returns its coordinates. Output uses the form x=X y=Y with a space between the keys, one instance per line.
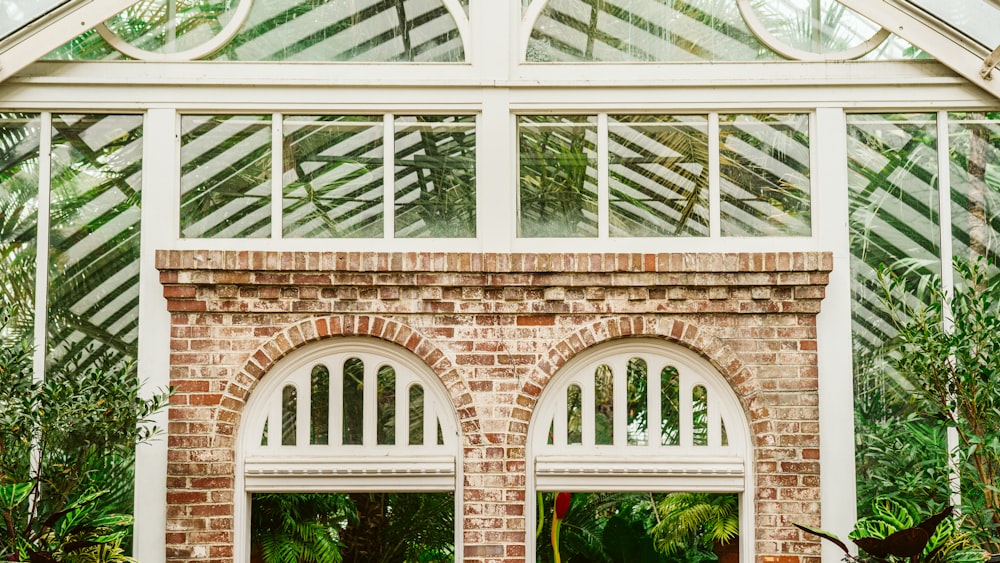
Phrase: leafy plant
x=60 y=440
x=893 y=534
x=686 y=518
x=947 y=351
x=298 y=527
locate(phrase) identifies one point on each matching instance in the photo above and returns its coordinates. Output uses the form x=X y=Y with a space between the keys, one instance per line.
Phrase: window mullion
x=277 y=158
x=389 y=183
x=714 y=178
x=603 y=180
x=42 y=243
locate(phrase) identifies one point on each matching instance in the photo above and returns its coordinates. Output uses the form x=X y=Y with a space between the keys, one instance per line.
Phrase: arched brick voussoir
x=315 y=329
x=687 y=334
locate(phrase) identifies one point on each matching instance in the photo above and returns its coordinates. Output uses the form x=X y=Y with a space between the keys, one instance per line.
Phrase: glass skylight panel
x=976 y=19
x=15 y=15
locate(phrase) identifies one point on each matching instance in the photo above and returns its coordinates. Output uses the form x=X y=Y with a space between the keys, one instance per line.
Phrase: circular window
x=175 y=30
x=812 y=30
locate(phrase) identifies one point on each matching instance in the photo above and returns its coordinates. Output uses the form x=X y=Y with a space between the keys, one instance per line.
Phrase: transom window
x=644 y=416
x=664 y=175
x=328 y=176
x=359 y=419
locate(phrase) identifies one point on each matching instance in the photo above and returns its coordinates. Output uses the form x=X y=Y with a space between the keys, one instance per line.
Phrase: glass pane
x=765 y=175
x=435 y=176
x=975 y=182
x=978 y=19
x=358 y=31
x=670 y=407
x=893 y=174
x=289 y=407
x=14 y=15
x=319 y=425
x=658 y=166
x=558 y=176
x=19 y=152
x=416 y=415
x=354 y=395
x=816 y=26
x=604 y=406
x=386 y=428
x=171 y=26
x=333 y=180
x=574 y=415
x=638 y=402
x=93 y=301
x=643 y=30
x=893 y=199
x=699 y=412
x=355 y=527
x=225 y=176
x=263 y=436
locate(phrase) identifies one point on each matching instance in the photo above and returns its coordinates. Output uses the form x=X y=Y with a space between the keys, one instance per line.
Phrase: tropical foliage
x=66 y=449
x=893 y=534
x=353 y=528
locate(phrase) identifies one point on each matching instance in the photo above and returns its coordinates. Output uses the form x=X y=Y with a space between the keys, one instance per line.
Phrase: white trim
x=218 y=41
x=37 y=38
x=336 y=467
x=714 y=176
x=650 y=467
x=161 y=163
x=277 y=175
x=758 y=28
x=829 y=187
x=42 y=243
x=958 y=52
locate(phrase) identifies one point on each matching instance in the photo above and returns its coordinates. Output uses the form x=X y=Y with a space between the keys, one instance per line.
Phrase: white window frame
x=344 y=468
x=650 y=467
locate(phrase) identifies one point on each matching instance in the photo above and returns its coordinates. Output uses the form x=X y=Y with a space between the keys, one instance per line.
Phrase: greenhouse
x=499 y=281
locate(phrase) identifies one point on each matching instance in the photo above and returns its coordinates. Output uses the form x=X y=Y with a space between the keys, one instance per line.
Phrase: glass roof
x=15 y=15
x=978 y=20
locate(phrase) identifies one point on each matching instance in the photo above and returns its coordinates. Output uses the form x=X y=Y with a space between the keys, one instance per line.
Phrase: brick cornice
x=571 y=262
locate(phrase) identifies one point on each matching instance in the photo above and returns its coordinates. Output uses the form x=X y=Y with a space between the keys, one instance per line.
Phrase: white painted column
x=836 y=376
x=494 y=32
x=160 y=227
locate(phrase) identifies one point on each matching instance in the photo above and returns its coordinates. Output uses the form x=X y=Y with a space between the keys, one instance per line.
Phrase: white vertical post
x=948 y=284
x=836 y=372
x=389 y=176
x=603 y=179
x=714 y=177
x=277 y=171
x=160 y=217
x=42 y=243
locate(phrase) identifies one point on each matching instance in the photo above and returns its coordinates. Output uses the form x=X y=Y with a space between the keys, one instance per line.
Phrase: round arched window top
x=639 y=414
x=835 y=33
x=350 y=414
x=175 y=30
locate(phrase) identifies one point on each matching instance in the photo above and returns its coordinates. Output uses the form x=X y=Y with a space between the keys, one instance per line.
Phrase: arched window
x=641 y=416
x=355 y=417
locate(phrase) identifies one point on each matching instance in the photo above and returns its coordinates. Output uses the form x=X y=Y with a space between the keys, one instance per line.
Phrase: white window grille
x=354 y=415
x=642 y=415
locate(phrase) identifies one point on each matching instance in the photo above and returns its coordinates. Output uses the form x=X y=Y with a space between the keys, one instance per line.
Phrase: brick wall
x=494 y=328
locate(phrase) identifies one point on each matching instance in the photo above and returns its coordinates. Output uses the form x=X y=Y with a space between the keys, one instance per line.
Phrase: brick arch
x=308 y=331
x=715 y=351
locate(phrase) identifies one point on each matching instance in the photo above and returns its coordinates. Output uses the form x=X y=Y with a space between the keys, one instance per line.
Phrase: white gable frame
x=335 y=467
x=961 y=54
x=37 y=38
x=719 y=466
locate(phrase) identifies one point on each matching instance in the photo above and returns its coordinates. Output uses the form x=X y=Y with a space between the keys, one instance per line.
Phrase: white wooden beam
x=958 y=52
x=38 y=38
